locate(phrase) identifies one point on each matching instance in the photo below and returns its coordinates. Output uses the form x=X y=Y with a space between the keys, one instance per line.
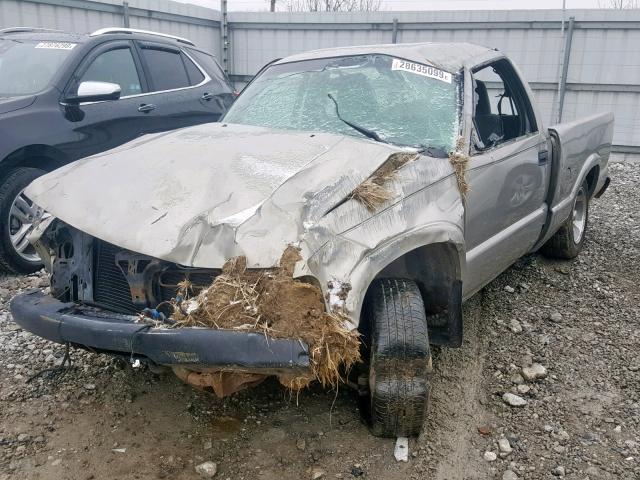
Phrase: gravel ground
x=546 y=385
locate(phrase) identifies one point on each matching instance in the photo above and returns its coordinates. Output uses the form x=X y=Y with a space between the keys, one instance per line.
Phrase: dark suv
x=65 y=96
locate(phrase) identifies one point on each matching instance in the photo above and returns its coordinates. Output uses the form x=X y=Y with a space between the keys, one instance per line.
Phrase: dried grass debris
x=272 y=302
x=460 y=162
x=373 y=193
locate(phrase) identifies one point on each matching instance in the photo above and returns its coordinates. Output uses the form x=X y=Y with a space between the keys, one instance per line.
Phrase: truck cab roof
x=447 y=56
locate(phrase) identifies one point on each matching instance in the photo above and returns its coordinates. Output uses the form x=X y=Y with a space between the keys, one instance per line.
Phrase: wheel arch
x=592 y=179
x=589 y=171
x=40 y=156
x=436 y=270
x=437 y=266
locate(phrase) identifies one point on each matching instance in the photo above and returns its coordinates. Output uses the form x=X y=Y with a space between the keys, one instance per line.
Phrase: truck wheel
x=17 y=255
x=399 y=359
x=567 y=242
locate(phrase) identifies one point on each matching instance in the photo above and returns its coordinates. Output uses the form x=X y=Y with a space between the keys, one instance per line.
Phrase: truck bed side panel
x=578 y=147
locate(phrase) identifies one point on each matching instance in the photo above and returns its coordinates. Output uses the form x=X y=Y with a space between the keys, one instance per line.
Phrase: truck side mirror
x=94 y=92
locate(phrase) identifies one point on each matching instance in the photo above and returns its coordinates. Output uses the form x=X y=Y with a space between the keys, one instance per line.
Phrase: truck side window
x=115 y=66
x=502 y=110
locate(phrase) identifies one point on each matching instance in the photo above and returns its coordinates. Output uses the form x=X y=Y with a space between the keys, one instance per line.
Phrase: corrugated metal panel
x=605 y=49
x=70 y=16
x=206 y=38
x=605 y=57
x=21 y=13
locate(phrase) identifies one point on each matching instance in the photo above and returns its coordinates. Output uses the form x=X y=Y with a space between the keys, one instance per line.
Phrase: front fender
x=334 y=261
x=366 y=270
x=428 y=209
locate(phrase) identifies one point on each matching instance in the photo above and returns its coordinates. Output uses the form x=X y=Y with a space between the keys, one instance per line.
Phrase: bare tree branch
x=619 y=4
x=333 y=5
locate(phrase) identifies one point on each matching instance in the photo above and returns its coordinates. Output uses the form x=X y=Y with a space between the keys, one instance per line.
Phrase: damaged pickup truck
x=333 y=223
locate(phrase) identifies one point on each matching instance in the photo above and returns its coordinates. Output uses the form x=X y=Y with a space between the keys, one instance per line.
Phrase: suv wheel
x=395 y=390
x=17 y=213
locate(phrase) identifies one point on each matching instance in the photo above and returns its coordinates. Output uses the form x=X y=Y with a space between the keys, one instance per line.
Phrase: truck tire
x=567 y=242
x=16 y=258
x=399 y=359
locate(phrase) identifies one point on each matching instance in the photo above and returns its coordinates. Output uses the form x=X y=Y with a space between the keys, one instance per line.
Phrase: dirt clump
x=372 y=193
x=222 y=383
x=272 y=302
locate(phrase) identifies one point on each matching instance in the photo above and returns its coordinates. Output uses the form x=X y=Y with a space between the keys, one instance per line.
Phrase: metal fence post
x=224 y=36
x=565 y=68
x=125 y=14
x=394 y=35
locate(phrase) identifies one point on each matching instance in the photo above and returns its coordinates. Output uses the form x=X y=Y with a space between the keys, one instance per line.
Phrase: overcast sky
x=263 y=5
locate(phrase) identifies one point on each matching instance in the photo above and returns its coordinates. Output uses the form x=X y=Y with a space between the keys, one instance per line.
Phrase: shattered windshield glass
x=401 y=102
x=27 y=67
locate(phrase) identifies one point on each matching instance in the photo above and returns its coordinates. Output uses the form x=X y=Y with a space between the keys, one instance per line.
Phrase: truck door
x=100 y=126
x=508 y=175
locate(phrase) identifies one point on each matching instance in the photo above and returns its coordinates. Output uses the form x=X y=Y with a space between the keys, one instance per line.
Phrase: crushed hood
x=203 y=194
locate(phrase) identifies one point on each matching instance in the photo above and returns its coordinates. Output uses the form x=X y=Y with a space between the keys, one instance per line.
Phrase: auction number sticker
x=419 y=69
x=56 y=45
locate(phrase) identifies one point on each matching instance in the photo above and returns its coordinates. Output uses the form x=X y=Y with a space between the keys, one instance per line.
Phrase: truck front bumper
x=196 y=348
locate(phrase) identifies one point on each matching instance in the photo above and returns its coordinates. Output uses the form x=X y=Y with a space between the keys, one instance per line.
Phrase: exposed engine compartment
x=91 y=271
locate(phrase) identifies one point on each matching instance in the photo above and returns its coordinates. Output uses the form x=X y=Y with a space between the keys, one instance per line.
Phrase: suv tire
x=399 y=359
x=11 y=188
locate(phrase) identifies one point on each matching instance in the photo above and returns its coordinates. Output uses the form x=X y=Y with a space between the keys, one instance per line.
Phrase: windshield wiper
x=364 y=131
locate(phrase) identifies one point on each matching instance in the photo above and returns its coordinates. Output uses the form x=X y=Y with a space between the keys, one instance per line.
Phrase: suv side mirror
x=94 y=92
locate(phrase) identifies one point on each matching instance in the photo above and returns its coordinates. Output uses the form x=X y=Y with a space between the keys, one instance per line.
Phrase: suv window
x=195 y=75
x=214 y=70
x=502 y=110
x=115 y=66
x=166 y=68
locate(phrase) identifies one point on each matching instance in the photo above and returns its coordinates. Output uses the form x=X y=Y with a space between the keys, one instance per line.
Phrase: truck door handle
x=543 y=157
x=207 y=96
x=146 y=107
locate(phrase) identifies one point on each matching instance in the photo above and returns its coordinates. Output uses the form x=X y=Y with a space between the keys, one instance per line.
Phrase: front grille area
x=171 y=277
x=157 y=279
x=110 y=286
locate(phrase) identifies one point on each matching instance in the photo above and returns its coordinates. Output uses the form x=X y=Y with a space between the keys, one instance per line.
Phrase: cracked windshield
x=370 y=96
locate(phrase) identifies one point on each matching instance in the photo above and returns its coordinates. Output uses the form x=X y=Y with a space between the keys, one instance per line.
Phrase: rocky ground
x=546 y=385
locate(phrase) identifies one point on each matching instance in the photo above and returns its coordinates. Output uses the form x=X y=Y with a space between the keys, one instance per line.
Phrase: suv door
x=219 y=88
x=100 y=126
x=508 y=175
x=180 y=90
